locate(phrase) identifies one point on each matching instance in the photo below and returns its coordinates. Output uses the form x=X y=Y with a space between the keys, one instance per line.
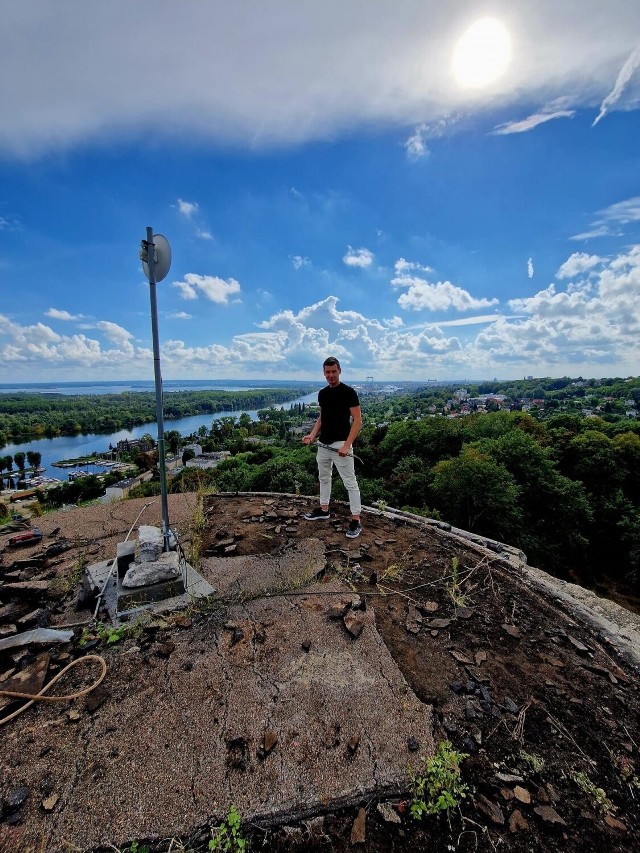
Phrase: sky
x=441 y=189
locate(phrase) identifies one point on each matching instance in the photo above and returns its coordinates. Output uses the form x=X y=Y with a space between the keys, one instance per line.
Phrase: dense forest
x=25 y=416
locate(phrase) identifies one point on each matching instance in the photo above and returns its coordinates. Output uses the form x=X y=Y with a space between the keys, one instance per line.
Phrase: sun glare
x=481 y=54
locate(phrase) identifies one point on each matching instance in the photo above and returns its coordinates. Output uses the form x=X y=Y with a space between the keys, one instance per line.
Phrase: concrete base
x=120 y=602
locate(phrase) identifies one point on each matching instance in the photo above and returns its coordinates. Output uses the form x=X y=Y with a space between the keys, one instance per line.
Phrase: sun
x=481 y=54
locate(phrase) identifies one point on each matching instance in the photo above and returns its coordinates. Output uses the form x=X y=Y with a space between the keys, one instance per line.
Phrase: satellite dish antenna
x=161 y=256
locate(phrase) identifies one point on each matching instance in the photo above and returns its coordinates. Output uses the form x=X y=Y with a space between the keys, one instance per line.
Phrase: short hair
x=330 y=362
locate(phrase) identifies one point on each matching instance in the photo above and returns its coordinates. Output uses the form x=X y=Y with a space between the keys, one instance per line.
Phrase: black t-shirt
x=335 y=405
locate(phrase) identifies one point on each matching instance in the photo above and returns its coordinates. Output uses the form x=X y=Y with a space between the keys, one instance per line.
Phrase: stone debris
x=38 y=636
x=49 y=803
x=388 y=813
x=517 y=823
x=549 y=815
x=150 y=544
x=614 y=823
x=165 y=567
x=358 y=830
x=354 y=622
x=491 y=809
x=578 y=645
x=414 y=620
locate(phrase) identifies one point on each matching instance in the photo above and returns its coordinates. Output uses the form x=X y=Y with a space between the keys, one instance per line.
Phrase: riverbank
x=81 y=445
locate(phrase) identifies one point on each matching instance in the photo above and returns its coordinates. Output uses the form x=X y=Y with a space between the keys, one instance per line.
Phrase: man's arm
x=356 y=425
x=307 y=439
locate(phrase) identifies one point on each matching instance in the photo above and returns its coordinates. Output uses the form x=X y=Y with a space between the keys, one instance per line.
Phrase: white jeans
x=345 y=464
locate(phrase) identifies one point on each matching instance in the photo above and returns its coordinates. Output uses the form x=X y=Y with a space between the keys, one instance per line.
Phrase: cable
x=39 y=697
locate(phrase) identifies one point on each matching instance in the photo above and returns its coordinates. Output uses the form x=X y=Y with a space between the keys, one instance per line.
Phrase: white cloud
x=530 y=267
x=203 y=234
x=422 y=295
x=210 y=286
x=362 y=258
x=415 y=145
x=531 y=121
x=180 y=315
x=593 y=326
x=187 y=208
x=281 y=88
x=577 y=264
x=114 y=333
x=59 y=314
x=299 y=261
x=625 y=75
x=620 y=213
x=401 y=266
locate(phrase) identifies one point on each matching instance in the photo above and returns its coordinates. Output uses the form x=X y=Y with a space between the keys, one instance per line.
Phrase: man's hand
x=344 y=450
x=306 y=439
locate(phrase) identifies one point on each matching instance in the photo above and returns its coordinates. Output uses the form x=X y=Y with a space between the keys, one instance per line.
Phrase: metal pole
x=158 y=381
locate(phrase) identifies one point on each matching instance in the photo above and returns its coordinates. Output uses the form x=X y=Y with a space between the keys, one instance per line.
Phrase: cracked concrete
x=180 y=738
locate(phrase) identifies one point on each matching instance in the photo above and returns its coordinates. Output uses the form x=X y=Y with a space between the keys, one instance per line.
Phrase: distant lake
x=74 y=446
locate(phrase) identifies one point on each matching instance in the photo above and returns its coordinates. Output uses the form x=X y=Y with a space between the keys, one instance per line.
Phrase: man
x=337 y=427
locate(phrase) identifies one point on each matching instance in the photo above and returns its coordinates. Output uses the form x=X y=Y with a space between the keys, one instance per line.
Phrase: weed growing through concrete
x=455 y=587
x=65 y=583
x=109 y=634
x=134 y=847
x=196 y=530
x=227 y=836
x=439 y=788
x=392 y=572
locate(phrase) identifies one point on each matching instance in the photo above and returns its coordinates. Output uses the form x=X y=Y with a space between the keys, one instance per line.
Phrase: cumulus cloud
x=554 y=329
x=577 y=264
x=530 y=267
x=180 y=315
x=402 y=266
x=362 y=258
x=58 y=314
x=422 y=295
x=210 y=286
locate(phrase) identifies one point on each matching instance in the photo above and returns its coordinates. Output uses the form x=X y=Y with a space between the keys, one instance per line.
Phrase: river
x=74 y=446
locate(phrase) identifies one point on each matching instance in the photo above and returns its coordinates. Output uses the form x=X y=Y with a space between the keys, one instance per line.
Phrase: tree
x=19 y=458
x=188 y=454
x=475 y=493
x=34 y=458
x=556 y=514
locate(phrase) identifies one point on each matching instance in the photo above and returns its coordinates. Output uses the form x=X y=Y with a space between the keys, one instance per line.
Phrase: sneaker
x=318 y=514
x=354 y=529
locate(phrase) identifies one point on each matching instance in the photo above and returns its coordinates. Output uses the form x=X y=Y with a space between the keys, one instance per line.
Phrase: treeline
x=566 y=491
x=27 y=416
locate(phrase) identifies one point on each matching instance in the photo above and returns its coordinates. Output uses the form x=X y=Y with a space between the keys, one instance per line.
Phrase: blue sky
x=427 y=190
